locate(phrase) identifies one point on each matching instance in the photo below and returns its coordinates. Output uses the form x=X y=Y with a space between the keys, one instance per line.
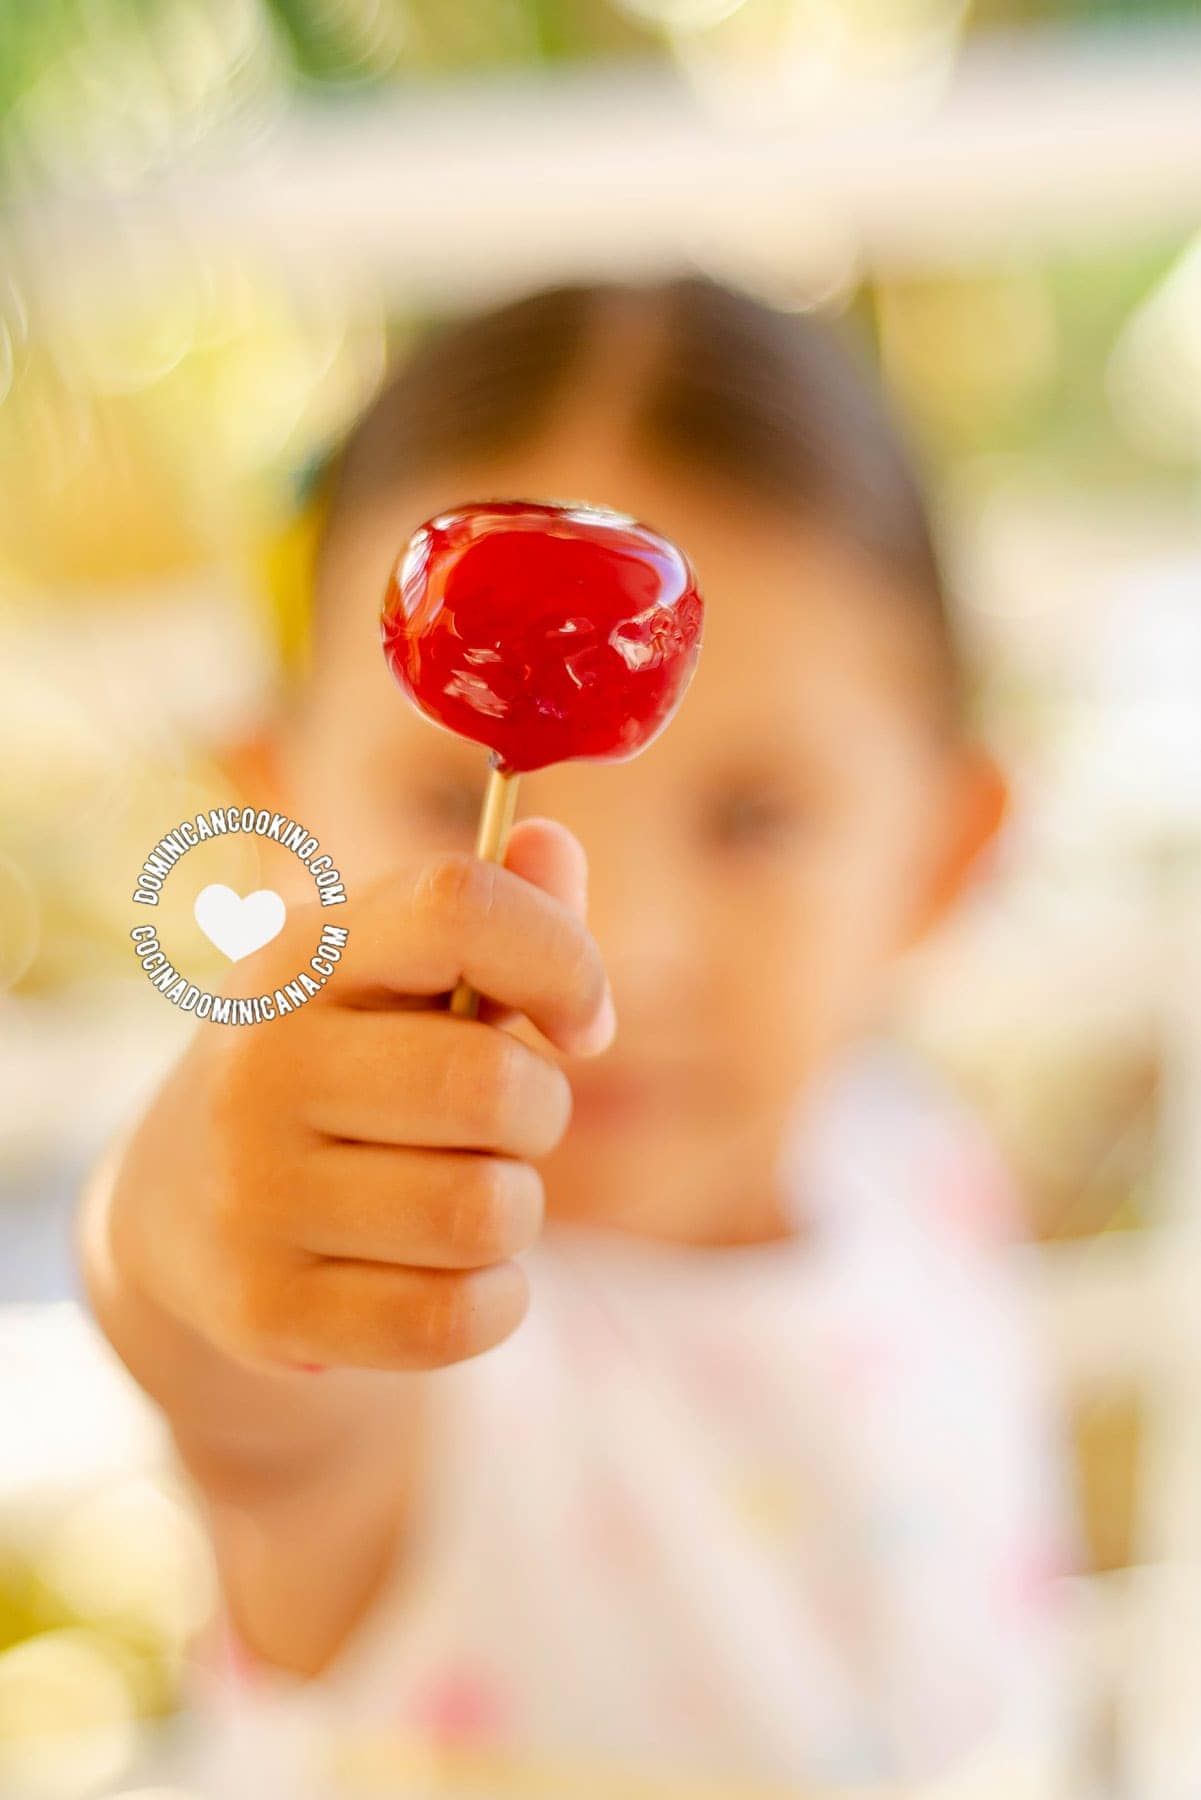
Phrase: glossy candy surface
x=548 y=633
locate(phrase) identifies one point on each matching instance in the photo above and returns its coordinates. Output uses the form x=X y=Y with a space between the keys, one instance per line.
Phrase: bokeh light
x=218 y=226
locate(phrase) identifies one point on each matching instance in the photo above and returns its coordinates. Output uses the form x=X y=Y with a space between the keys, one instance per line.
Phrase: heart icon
x=238 y=925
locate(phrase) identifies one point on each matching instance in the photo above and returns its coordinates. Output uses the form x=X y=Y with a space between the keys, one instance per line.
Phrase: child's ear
x=978 y=804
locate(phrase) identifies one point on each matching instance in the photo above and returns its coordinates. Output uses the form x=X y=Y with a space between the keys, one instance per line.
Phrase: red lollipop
x=548 y=633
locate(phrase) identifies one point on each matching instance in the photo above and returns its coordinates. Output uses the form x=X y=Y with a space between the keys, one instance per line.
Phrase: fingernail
x=603 y=1029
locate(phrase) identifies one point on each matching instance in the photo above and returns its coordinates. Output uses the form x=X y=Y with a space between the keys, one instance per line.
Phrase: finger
x=456 y=916
x=429 y=1080
x=545 y=853
x=437 y=1209
x=374 y=1316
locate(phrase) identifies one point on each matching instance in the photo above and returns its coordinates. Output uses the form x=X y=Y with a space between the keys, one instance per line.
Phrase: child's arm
x=296 y=1485
x=345 y=1187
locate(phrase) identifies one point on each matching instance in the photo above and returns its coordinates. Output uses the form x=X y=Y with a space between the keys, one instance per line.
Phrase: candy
x=548 y=633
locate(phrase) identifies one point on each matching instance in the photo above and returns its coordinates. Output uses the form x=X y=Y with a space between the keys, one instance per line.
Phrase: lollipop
x=548 y=634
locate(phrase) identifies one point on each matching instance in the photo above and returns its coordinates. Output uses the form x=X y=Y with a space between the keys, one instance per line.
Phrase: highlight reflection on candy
x=548 y=633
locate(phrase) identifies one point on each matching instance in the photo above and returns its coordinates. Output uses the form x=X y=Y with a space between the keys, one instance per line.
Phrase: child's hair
x=697 y=375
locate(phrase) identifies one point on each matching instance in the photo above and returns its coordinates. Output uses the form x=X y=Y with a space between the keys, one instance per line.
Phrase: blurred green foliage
x=338 y=41
x=30 y=1608
x=974 y=384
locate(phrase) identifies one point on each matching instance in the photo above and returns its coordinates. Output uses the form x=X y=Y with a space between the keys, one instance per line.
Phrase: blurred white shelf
x=1041 y=138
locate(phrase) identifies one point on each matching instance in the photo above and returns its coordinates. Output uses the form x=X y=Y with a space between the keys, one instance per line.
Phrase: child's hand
x=347 y=1185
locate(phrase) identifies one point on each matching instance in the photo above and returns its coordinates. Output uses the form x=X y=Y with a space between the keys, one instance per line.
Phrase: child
x=757 y=1498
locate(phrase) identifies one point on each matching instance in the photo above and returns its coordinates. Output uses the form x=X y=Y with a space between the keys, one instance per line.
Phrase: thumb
x=546 y=853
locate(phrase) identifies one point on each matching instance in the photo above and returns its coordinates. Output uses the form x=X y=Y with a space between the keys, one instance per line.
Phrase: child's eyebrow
x=756 y=743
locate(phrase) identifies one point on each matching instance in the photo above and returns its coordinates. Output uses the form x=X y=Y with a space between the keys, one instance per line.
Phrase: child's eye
x=449 y=806
x=751 y=818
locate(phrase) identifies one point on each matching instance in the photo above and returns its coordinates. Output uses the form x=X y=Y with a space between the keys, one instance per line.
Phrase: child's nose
x=642 y=917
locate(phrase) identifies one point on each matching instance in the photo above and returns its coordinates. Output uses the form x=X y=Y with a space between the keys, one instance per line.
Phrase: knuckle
x=479 y=1217
x=455 y=888
x=501 y=1088
x=524 y=1101
x=470 y=1083
x=488 y=1217
x=447 y=1324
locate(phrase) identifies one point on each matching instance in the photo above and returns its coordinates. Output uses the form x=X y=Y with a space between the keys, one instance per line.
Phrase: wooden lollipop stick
x=496 y=819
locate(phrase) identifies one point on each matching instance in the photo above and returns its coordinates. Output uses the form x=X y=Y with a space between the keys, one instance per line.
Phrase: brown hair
x=774 y=403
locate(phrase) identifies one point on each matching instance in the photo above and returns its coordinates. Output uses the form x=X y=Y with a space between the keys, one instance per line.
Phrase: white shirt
x=759 y=1521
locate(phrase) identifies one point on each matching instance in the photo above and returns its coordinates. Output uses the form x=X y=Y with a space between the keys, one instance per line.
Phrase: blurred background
x=220 y=219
